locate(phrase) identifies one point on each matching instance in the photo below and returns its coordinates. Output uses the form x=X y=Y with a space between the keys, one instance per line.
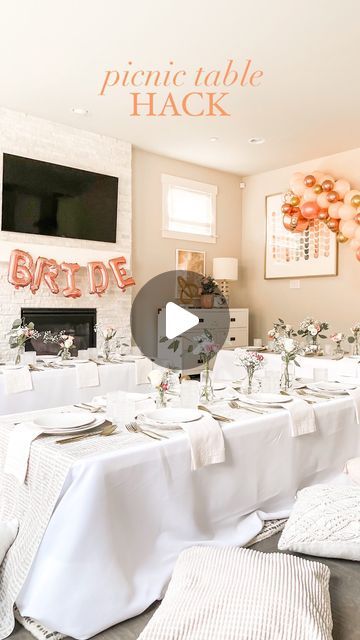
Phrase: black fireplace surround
x=79 y=323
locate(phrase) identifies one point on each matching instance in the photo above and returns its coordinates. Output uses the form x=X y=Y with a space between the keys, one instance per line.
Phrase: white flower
x=312 y=330
x=155 y=377
x=288 y=328
x=337 y=337
x=289 y=345
x=68 y=343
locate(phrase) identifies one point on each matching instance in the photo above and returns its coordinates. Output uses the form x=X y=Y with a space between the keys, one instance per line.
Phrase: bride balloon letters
x=25 y=272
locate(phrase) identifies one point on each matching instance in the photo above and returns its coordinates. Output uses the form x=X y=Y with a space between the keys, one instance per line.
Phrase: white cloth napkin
x=206 y=442
x=143 y=366
x=205 y=437
x=302 y=417
x=87 y=375
x=18 y=451
x=355 y=395
x=17 y=380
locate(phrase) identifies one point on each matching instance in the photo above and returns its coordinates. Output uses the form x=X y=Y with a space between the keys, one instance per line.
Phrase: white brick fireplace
x=42 y=140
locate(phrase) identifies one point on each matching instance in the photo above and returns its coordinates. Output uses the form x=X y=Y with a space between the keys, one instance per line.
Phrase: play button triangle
x=178 y=320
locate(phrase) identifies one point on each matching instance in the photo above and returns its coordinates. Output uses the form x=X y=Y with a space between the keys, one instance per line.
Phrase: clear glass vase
x=250 y=384
x=65 y=354
x=356 y=345
x=287 y=376
x=206 y=386
x=161 y=400
x=313 y=347
x=338 y=351
x=19 y=354
x=107 y=350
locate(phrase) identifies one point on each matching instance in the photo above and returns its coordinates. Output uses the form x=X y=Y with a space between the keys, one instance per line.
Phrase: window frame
x=169 y=181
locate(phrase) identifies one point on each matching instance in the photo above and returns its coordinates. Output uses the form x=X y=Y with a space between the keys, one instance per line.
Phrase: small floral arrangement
x=160 y=380
x=312 y=328
x=338 y=337
x=208 y=285
x=205 y=347
x=251 y=361
x=19 y=334
x=355 y=330
x=280 y=329
x=63 y=340
x=108 y=333
x=289 y=349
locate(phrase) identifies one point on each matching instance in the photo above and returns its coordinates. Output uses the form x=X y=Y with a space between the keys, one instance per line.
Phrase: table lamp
x=225 y=269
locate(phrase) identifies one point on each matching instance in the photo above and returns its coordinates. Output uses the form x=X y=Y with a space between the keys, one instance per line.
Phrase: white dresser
x=212 y=319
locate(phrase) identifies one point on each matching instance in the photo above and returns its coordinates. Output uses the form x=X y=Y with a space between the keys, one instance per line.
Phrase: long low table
x=225 y=369
x=126 y=511
x=57 y=387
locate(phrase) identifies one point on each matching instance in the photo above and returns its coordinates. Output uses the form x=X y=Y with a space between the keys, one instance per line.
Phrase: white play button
x=178 y=320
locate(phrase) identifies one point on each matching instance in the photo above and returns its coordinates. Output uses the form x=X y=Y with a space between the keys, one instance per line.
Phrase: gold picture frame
x=194 y=262
x=309 y=254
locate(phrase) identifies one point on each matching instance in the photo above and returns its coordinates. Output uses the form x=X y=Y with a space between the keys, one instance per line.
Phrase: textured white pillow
x=352 y=467
x=325 y=521
x=228 y=593
x=8 y=533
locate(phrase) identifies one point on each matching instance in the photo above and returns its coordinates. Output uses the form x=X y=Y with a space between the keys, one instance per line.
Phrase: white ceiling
x=54 y=55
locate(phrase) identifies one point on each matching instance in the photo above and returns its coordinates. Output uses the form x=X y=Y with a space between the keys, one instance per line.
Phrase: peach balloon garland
x=331 y=201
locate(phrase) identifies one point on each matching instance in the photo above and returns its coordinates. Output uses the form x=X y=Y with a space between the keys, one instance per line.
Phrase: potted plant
x=207 y=292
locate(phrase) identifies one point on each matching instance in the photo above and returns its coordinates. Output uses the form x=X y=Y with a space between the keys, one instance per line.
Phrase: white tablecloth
x=58 y=387
x=123 y=517
x=225 y=369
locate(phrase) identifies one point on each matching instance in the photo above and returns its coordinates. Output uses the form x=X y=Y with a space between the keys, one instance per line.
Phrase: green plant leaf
x=163 y=339
x=16 y=324
x=351 y=339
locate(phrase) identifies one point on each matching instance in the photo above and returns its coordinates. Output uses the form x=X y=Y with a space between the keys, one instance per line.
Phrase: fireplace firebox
x=79 y=323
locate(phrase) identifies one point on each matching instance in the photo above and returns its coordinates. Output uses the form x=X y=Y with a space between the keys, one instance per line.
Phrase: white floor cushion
x=8 y=533
x=228 y=593
x=325 y=521
x=352 y=467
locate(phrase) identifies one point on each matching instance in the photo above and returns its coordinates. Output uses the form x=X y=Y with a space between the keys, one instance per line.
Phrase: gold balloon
x=357 y=218
x=323 y=215
x=355 y=201
x=294 y=201
x=318 y=189
x=333 y=224
x=341 y=238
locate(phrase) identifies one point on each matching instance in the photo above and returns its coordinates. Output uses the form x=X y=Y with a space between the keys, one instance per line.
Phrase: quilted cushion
x=352 y=467
x=231 y=593
x=325 y=521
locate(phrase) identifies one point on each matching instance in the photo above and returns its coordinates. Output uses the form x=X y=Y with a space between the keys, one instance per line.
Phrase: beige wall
x=151 y=253
x=336 y=299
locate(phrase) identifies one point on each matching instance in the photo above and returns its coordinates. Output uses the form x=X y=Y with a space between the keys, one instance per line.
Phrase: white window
x=189 y=209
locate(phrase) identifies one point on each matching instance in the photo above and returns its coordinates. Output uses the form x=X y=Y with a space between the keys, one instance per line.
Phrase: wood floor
x=345 y=603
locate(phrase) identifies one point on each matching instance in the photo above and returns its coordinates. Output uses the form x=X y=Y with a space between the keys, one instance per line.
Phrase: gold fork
x=236 y=405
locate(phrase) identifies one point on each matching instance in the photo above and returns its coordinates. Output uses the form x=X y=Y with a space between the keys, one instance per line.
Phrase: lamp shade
x=225 y=268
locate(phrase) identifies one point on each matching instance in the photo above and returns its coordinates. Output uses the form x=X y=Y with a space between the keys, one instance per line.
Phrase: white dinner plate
x=266 y=398
x=130 y=357
x=252 y=348
x=66 y=363
x=333 y=387
x=173 y=415
x=354 y=357
x=65 y=420
x=69 y=432
x=11 y=367
x=219 y=386
x=46 y=358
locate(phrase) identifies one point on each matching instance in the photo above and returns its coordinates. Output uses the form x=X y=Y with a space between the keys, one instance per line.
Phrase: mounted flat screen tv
x=53 y=200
